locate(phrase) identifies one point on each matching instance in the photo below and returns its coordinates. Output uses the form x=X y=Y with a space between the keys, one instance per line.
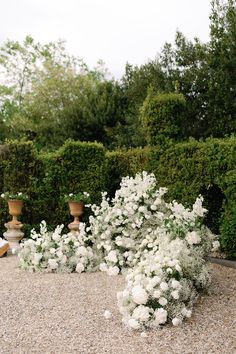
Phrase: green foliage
x=187 y=170
x=46 y=178
x=121 y=163
x=22 y=172
x=228 y=227
x=162 y=116
x=228 y=219
x=74 y=168
x=222 y=68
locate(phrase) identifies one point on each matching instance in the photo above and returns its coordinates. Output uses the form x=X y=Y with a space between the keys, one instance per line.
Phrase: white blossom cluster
x=163 y=286
x=52 y=251
x=160 y=246
x=137 y=219
x=163 y=246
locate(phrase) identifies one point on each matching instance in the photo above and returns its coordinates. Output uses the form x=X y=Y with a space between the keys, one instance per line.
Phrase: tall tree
x=222 y=68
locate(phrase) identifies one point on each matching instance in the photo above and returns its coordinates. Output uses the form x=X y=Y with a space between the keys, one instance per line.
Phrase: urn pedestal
x=14 y=234
x=76 y=210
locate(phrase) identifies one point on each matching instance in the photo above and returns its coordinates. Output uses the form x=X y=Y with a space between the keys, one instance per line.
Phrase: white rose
x=193 y=238
x=164 y=286
x=133 y=323
x=175 y=294
x=157 y=294
x=176 y=321
x=141 y=313
x=162 y=301
x=175 y=284
x=113 y=271
x=79 y=268
x=160 y=316
x=52 y=263
x=112 y=257
x=139 y=295
x=103 y=267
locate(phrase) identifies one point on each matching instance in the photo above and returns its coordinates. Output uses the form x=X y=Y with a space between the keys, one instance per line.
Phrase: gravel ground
x=63 y=314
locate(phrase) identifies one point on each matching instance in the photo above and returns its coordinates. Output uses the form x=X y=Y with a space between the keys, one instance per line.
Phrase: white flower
x=112 y=257
x=103 y=267
x=175 y=284
x=160 y=316
x=133 y=323
x=113 y=271
x=107 y=314
x=139 y=295
x=175 y=294
x=162 y=301
x=193 y=238
x=52 y=250
x=52 y=263
x=2 y=195
x=79 y=268
x=215 y=246
x=37 y=258
x=141 y=313
x=156 y=294
x=164 y=286
x=176 y=321
x=56 y=237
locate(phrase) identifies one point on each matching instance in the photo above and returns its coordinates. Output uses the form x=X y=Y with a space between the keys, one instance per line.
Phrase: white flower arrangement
x=52 y=251
x=160 y=246
x=137 y=219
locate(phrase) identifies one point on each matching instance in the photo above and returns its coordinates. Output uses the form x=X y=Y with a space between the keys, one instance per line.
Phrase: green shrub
x=22 y=172
x=161 y=116
x=45 y=178
x=75 y=167
x=121 y=163
x=188 y=169
x=228 y=218
x=228 y=231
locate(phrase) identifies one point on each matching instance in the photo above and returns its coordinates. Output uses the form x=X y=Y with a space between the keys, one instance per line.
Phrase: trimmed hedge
x=161 y=116
x=186 y=169
x=123 y=163
x=77 y=166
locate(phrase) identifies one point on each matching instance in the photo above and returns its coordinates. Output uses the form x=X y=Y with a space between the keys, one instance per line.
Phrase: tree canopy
x=48 y=95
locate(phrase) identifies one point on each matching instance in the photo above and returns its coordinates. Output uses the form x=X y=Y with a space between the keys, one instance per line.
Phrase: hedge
x=187 y=169
x=77 y=166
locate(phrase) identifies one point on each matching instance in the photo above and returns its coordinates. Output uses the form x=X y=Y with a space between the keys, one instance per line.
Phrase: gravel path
x=63 y=314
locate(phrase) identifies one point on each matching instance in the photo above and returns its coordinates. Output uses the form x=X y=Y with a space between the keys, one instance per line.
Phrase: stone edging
x=223 y=262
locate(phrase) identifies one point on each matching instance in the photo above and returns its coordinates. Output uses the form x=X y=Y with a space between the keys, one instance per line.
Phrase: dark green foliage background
x=187 y=169
x=77 y=166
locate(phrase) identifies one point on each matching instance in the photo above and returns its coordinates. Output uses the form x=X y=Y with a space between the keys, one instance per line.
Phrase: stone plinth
x=13 y=235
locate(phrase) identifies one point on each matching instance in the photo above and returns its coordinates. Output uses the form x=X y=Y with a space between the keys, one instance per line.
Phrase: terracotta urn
x=14 y=233
x=76 y=210
x=15 y=209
